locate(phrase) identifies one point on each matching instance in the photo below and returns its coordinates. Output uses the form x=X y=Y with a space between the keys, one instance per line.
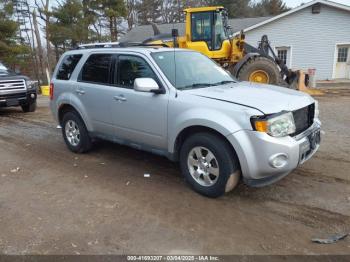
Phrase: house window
x=282 y=55
x=342 y=54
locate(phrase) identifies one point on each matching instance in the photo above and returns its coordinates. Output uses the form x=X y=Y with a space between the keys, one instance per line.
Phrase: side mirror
x=146 y=85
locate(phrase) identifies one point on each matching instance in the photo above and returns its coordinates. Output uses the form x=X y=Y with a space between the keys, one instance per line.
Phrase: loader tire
x=261 y=70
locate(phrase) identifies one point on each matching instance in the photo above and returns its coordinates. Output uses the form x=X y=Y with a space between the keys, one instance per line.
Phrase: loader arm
x=265 y=49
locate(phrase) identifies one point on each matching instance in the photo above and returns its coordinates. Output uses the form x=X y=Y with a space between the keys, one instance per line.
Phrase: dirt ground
x=55 y=202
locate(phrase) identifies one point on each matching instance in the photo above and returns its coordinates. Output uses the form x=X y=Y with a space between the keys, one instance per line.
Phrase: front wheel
x=209 y=165
x=31 y=107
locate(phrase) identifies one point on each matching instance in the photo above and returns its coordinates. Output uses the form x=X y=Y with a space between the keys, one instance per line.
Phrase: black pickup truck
x=17 y=90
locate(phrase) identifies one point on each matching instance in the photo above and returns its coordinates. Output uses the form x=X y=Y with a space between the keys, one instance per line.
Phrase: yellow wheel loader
x=208 y=32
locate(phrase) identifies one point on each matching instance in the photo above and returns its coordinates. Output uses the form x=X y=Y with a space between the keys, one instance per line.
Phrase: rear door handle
x=120 y=98
x=80 y=91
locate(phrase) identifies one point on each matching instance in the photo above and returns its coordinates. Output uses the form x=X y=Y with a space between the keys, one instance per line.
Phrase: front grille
x=303 y=118
x=13 y=85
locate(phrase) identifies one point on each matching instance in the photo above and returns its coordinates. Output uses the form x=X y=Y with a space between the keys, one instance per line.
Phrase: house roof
x=301 y=7
x=141 y=33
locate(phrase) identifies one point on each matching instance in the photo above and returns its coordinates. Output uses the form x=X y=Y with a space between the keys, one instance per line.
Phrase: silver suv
x=180 y=104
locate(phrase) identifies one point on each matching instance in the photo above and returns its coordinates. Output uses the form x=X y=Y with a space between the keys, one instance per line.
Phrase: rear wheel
x=260 y=70
x=209 y=165
x=75 y=133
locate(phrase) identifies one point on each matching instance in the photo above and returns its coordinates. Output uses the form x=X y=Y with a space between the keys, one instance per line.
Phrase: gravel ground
x=55 y=202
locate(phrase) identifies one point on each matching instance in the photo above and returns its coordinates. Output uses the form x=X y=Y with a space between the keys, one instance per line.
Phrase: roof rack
x=118 y=45
x=99 y=45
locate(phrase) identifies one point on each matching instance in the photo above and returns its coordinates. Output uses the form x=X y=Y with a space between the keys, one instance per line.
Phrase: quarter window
x=130 y=68
x=67 y=67
x=96 y=69
x=343 y=54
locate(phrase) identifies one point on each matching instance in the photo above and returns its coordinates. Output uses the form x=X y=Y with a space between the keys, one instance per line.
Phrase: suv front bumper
x=18 y=99
x=256 y=152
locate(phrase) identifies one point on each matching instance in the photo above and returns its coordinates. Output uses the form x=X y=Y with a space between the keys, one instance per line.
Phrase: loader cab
x=207 y=31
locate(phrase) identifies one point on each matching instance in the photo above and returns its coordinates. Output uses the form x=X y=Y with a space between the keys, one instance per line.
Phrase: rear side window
x=96 y=69
x=67 y=67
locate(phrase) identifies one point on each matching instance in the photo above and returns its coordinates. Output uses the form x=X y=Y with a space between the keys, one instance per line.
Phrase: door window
x=130 y=68
x=97 y=69
x=202 y=27
x=342 y=54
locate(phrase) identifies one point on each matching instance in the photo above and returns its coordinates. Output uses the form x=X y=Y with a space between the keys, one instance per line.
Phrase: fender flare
x=79 y=107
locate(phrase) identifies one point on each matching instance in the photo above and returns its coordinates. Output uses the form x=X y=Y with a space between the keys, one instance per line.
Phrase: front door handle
x=80 y=91
x=120 y=98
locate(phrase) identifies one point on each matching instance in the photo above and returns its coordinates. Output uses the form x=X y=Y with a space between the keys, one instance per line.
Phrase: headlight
x=31 y=84
x=277 y=125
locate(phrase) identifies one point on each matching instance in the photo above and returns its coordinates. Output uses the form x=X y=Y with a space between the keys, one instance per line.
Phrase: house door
x=342 y=69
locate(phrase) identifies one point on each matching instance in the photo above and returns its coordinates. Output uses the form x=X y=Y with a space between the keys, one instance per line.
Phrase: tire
x=225 y=164
x=75 y=133
x=31 y=107
x=260 y=63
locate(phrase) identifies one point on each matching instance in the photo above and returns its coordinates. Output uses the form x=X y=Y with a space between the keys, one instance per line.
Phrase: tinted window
x=96 y=69
x=67 y=66
x=132 y=67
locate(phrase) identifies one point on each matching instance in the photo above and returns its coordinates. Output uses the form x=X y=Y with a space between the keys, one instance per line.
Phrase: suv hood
x=268 y=99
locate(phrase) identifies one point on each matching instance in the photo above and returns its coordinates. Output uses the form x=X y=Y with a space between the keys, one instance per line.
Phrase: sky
x=295 y=3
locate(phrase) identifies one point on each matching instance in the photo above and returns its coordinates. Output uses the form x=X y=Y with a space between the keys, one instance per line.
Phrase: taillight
x=51 y=91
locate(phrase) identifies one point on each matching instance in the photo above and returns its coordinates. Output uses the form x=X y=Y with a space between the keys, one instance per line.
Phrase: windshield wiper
x=200 y=85
x=196 y=85
x=224 y=82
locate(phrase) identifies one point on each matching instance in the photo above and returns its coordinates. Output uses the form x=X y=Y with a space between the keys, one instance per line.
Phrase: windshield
x=193 y=70
x=4 y=71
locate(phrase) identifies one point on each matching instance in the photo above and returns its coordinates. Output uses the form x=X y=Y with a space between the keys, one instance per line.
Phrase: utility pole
x=39 y=46
x=23 y=17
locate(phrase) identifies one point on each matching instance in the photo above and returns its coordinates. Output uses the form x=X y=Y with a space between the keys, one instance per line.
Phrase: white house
x=314 y=35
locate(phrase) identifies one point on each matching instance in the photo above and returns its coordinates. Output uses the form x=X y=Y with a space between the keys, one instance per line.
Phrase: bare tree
x=45 y=14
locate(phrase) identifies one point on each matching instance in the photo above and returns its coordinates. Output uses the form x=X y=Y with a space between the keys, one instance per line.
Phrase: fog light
x=32 y=96
x=278 y=161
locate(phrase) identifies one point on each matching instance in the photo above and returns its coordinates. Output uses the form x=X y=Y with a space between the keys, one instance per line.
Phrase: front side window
x=130 y=68
x=96 y=69
x=67 y=67
x=189 y=70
